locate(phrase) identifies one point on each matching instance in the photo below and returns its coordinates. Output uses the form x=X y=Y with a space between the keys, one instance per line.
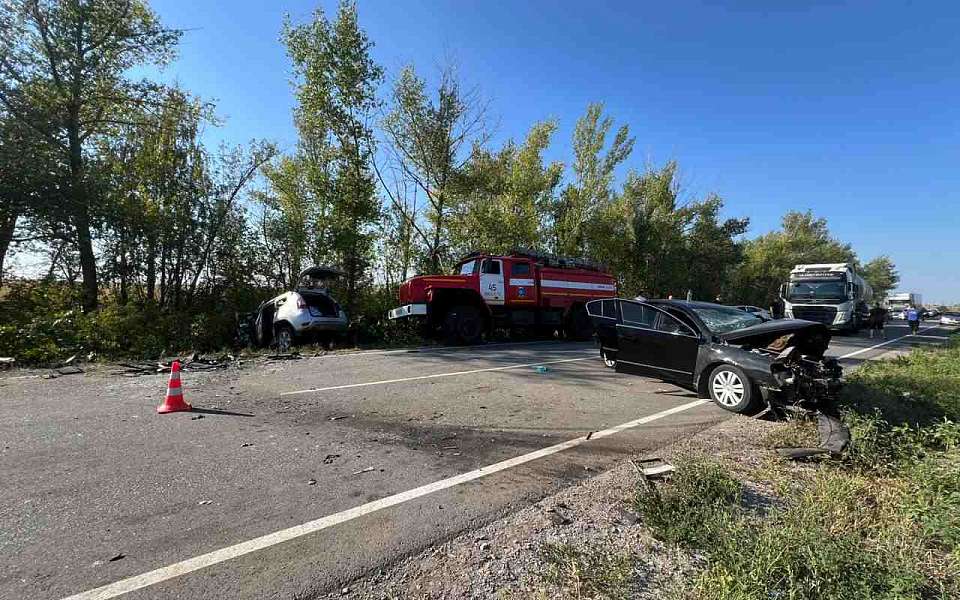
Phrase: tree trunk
x=81 y=216
x=8 y=224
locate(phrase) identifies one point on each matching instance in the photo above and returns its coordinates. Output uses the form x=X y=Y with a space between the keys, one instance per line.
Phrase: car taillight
x=301 y=303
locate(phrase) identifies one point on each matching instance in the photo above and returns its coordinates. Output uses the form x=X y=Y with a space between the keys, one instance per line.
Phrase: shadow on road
x=226 y=413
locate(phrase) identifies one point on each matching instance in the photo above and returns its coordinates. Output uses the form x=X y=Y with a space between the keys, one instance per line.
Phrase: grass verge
x=882 y=522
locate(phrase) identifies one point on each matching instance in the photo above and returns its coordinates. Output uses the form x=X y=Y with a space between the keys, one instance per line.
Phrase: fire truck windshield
x=468 y=267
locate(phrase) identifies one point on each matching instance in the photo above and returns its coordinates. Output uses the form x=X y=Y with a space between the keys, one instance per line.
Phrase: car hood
x=777 y=327
x=809 y=338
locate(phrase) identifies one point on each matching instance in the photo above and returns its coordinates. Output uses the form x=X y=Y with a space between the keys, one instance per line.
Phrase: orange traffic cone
x=174 y=401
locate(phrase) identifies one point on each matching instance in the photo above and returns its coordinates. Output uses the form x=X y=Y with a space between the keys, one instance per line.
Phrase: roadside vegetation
x=882 y=521
x=122 y=232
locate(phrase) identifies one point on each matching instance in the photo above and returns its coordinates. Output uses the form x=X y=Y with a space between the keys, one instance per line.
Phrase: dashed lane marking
x=436 y=376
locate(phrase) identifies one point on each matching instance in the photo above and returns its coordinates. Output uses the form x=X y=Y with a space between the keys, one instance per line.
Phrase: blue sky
x=848 y=109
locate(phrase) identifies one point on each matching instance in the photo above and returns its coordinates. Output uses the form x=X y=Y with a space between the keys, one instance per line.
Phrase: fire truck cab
x=519 y=291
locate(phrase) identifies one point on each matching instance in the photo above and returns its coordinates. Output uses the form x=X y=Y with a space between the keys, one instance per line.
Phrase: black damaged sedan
x=739 y=360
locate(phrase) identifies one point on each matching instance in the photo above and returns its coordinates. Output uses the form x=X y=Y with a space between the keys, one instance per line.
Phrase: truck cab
x=832 y=294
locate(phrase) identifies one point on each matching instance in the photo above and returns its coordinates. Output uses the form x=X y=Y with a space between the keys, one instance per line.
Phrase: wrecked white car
x=309 y=311
x=720 y=352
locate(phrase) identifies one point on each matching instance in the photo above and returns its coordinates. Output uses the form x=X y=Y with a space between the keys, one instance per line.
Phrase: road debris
x=204 y=502
x=312 y=482
x=654 y=468
x=328 y=460
x=117 y=557
x=196 y=417
x=337 y=417
x=7 y=362
x=834 y=438
x=367 y=470
x=541 y=369
x=589 y=435
x=246 y=444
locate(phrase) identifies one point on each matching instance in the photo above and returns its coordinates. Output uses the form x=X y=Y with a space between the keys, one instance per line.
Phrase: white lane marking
x=890 y=341
x=196 y=563
x=427 y=349
x=933 y=337
x=436 y=375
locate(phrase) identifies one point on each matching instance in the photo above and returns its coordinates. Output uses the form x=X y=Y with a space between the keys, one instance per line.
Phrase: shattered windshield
x=724 y=319
x=817 y=290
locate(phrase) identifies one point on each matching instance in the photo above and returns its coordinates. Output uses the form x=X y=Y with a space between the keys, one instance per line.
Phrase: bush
x=838 y=536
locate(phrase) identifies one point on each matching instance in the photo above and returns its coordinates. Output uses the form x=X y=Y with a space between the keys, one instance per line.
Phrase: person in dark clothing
x=878 y=321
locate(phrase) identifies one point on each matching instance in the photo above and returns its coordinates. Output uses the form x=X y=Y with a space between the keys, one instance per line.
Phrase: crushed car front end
x=787 y=361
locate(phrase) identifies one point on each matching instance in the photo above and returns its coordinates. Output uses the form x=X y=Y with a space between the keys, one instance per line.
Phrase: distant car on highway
x=950 y=318
x=757 y=311
x=735 y=358
x=307 y=311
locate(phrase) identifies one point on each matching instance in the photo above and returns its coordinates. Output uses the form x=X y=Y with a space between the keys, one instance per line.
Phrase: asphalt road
x=302 y=475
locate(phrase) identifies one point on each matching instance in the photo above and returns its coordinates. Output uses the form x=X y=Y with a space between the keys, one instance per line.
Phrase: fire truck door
x=491 y=281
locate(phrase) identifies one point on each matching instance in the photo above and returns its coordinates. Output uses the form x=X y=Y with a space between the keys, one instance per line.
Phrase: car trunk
x=320 y=305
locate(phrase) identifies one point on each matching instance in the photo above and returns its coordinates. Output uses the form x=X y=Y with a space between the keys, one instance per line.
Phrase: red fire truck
x=522 y=290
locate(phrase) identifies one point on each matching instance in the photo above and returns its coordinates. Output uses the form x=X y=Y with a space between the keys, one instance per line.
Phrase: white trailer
x=832 y=294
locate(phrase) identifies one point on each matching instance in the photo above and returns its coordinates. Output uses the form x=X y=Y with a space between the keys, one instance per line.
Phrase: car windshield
x=724 y=319
x=816 y=290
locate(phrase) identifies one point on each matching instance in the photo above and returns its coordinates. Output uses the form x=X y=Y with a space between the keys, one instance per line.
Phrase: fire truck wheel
x=578 y=325
x=464 y=325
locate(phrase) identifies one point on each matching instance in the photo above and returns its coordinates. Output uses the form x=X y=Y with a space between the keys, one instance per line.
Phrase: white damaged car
x=309 y=311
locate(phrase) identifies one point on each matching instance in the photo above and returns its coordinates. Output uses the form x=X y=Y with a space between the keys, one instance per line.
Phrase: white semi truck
x=900 y=301
x=832 y=294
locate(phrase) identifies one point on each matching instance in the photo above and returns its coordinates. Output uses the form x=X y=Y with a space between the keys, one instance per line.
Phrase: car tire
x=731 y=389
x=464 y=325
x=284 y=337
x=578 y=326
x=609 y=358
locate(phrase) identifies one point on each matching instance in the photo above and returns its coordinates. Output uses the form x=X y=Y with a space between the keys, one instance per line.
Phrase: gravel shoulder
x=505 y=558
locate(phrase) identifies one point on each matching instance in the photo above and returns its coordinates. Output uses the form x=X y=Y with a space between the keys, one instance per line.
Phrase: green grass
x=587 y=572
x=882 y=522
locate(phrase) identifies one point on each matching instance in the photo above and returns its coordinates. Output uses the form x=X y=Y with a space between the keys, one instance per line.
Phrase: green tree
x=429 y=140
x=593 y=172
x=882 y=276
x=503 y=196
x=64 y=72
x=336 y=83
x=768 y=259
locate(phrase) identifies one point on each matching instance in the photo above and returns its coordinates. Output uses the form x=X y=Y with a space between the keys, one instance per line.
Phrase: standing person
x=913 y=319
x=878 y=321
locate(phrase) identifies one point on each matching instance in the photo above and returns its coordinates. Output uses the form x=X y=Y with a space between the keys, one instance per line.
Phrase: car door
x=520 y=288
x=653 y=342
x=491 y=280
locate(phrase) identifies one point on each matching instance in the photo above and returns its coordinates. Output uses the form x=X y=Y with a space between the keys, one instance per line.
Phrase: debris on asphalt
x=328 y=460
x=312 y=482
x=196 y=417
x=204 y=502
x=287 y=356
x=246 y=444
x=7 y=362
x=69 y=370
x=70 y=360
x=117 y=557
x=367 y=470
x=541 y=369
x=589 y=435
x=654 y=468
x=337 y=417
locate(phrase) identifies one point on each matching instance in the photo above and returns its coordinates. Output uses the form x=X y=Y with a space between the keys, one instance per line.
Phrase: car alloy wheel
x=284 y=339
x=728 y=388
